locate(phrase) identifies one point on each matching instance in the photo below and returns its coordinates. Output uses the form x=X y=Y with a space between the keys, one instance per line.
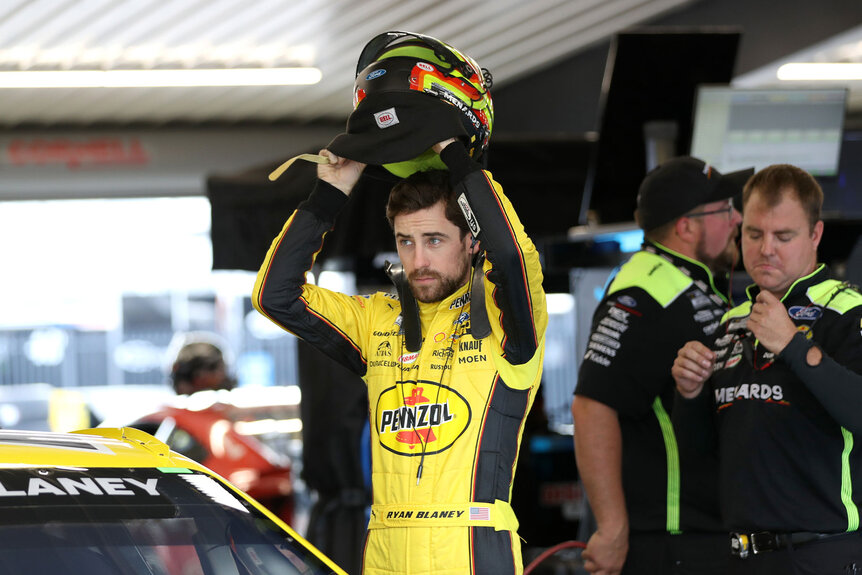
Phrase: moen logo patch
x=412 y=414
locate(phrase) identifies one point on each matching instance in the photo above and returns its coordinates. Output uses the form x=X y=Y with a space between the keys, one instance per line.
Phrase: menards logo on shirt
x=412 y=414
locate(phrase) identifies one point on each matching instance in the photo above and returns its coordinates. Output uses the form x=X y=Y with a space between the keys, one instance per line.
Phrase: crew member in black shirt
x=657 y=512
x=784 y=391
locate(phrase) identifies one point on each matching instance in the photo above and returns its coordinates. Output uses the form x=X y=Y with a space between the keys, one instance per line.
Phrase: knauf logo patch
x=386 y=118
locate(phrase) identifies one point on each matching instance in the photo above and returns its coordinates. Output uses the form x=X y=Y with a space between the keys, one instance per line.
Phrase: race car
x=117 y=501
x=248 y=435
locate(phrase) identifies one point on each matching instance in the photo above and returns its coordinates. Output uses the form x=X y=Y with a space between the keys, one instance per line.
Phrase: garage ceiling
x=510 y=37
x=845 y=47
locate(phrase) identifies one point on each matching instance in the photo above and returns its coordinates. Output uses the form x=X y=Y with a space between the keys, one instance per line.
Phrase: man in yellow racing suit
x=449 y=384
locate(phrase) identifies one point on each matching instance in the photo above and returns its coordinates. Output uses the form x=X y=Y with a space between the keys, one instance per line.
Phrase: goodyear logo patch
x=412 y=414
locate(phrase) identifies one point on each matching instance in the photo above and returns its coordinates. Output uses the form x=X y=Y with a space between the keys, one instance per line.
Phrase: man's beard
x=723 y=262
x=443 y=287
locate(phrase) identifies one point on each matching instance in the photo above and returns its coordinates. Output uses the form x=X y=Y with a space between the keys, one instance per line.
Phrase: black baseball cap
x=392 y=122
x=679 y=185
x=395 y=127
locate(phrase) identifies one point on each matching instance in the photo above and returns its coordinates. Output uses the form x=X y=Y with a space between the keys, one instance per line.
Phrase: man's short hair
x=661 y=233
x=192 y=359
x=772 y=181
x=423 y=190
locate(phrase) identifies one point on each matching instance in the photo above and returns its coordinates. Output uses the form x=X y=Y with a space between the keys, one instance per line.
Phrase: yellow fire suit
x=455 y=408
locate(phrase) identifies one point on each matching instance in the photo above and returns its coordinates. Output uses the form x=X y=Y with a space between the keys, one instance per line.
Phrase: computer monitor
x=645 y=109
x=737 y=128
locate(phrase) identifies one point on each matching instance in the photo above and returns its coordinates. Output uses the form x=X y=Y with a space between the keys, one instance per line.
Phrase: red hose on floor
x=550 y=551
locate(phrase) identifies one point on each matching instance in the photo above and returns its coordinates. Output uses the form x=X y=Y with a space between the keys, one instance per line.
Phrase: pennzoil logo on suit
x=409 y=415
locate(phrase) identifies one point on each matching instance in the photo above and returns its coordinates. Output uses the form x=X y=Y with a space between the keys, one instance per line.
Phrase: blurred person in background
x=198 y=364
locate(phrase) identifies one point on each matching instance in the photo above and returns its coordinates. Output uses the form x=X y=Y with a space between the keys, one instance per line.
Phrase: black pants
x=833 y=556
x=685 y=554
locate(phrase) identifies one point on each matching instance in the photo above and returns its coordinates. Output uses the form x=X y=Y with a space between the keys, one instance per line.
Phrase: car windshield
x=165 y=521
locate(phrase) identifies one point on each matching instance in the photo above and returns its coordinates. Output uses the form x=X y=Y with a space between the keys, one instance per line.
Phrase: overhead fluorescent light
x=159 y=78
x=820 y=71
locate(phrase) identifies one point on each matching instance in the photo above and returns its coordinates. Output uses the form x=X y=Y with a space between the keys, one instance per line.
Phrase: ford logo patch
x=627 y=300
x=804 y=313
x=375 y=73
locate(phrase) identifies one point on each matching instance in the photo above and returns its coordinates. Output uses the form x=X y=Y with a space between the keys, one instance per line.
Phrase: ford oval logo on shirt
x=804 y=312
x=627 y=300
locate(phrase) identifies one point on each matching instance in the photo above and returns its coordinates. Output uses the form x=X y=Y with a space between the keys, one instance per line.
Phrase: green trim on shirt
x=655 y=275
x=673 y=472
x=847 y=483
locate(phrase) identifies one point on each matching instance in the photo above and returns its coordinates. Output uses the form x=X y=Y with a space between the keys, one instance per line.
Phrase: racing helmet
x=396 y=67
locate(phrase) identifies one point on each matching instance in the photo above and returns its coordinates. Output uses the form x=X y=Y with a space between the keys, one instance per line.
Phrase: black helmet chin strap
x=480 y=327
x=409 y=307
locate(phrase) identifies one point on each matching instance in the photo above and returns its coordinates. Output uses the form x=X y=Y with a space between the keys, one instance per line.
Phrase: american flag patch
x=480 y=513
